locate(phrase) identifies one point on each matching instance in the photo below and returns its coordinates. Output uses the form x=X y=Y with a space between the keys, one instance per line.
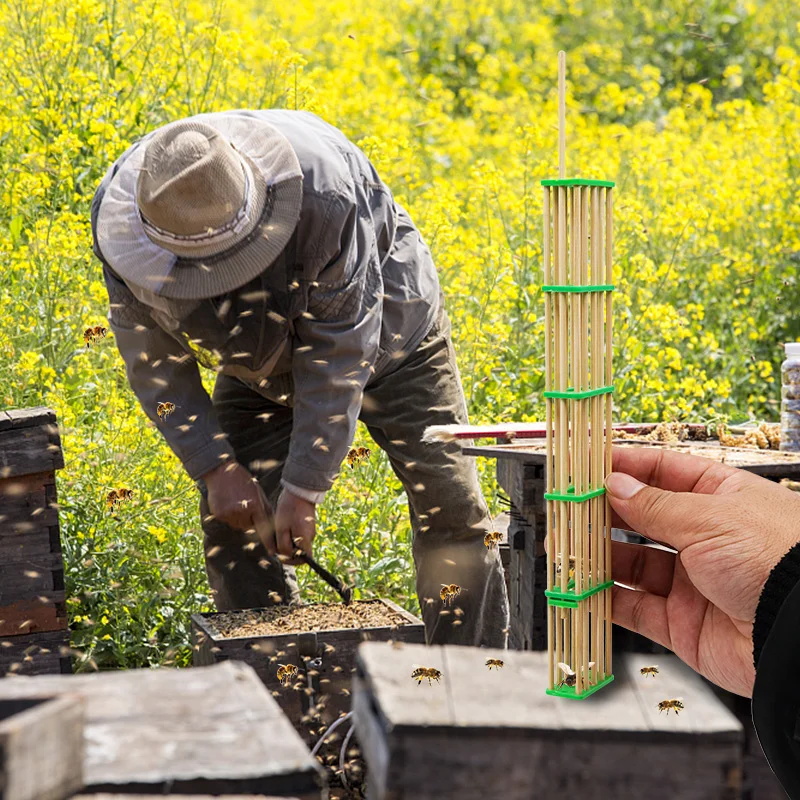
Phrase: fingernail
x=622 y=485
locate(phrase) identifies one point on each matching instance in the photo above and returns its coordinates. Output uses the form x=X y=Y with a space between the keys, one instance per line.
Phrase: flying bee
x=356 y=455
x=570 y=678
x=649 y=671
x=449 y=592
x=666 y=705
x=492 y=538
x=286 y=672
x=420 y=673
x=164 y=409
x=494 y=662
x=92 y=334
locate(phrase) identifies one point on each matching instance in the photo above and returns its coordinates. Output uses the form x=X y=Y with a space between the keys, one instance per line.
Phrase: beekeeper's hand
x=729 y=528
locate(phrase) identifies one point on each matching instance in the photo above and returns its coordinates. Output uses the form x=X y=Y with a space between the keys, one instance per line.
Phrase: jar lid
x=792 y=348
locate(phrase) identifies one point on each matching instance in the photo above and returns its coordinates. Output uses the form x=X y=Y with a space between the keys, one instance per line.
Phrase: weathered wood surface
x=213 y=730
x=35 y=654
x=26 y=417
x=41 y=748
x=772 y=464
x=482 y=733
x=324 y=660
x=29 y=442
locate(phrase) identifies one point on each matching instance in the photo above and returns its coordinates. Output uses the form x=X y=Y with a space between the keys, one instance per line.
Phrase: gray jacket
x=353 y=291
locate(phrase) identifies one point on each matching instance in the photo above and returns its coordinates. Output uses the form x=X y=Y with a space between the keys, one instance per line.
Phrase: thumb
x=675 y=519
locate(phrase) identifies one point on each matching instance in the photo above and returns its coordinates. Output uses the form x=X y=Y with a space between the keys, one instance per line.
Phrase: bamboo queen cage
x=578 y=240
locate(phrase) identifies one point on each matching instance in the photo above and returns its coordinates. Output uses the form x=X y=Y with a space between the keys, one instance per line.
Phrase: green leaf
x=16 y=229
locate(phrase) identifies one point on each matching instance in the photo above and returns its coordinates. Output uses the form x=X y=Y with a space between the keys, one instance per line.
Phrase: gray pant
x=449 y=516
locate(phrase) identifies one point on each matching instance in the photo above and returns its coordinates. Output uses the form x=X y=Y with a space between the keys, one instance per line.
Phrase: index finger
x=675 y=472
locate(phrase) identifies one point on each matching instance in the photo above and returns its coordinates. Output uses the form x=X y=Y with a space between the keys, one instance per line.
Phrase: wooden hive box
x=41 y=748
x=183 y=731
x=483 y=734
x=180 y=797
x=33 y=618
x=325 y=659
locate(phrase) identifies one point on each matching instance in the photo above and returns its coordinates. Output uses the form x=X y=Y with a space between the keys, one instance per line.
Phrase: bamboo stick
x=548 y=360
x=561 y=378
x=609 y=353
x=596 y=434
x=562 y=109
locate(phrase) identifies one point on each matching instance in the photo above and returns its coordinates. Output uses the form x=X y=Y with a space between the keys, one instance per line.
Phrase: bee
x=649 y=671
x=285 y=673
x=164 y=409
x=571 y=566
x=492 y=538
x=570 y=678
x=449 y=592
x=115 y=497
x=92 y=334
x=494 y=662
x=420 y=673
x=357 y=455
x=666 y=705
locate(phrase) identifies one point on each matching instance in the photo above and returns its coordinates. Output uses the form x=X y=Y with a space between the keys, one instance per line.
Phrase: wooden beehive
x=41 y=748
x=325 y=660
x=479 y=733
x=33 y=619
x=183 y=731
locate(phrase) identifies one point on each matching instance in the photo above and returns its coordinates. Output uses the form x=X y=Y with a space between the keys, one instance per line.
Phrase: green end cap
x=569 y=599
x=569 y=691
x=579 y=182
x=571 y=497
x=571 y=394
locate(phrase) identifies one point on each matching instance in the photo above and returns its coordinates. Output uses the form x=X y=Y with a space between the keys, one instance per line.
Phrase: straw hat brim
x=138 y=260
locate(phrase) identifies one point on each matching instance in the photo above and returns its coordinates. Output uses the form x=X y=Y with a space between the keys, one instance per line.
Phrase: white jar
x=790 y=399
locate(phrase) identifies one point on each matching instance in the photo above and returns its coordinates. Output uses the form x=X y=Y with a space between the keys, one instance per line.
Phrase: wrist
x=309 y=495
x=216 y=471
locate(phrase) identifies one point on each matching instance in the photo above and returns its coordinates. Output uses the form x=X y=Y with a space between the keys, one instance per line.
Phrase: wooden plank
x=44 y=612
x=213 y=730
x=35 y=654
x=386 y=673
x=27 y=450
x=767 y=463
x=105 y=796
x=509 y=739
x=41 y=748
x=28 y=417
x=704 y=713
x=31 y=577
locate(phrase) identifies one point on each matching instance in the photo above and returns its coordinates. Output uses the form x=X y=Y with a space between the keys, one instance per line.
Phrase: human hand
x=730 y=529
x=236 y=498
x=295 y=526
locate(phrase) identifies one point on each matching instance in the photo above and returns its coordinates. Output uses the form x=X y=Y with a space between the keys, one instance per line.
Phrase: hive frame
x=578 y=282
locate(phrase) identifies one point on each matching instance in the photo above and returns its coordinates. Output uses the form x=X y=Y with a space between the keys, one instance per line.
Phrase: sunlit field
x=693 y=109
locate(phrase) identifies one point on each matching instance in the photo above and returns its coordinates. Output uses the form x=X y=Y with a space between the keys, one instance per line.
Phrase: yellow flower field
x=693 y=108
